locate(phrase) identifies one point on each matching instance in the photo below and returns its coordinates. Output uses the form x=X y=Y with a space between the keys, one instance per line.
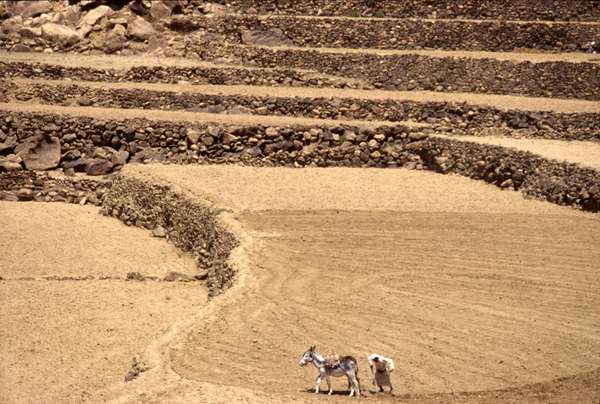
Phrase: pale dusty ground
x=467 y=287
x=584 y=153
x=497 y=101
x=61 y=340
x=254 y=189
x=40 y=240
x=517 y=57
x=122 y=62
x=198 y=117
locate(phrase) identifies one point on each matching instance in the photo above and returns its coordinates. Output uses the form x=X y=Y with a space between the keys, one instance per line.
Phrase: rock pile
x=51 y=187
x=187 y=224
x=457 y=118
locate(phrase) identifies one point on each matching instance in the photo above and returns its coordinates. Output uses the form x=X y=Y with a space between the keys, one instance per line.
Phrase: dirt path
x=355 y=261
x=198 y=117
x=498 y=101
x=584 y=153
x=61 y=340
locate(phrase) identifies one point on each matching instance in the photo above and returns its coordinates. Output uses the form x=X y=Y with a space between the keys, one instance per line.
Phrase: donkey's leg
x=355 y=386
x=327 y=379
x=350 y=384
x=318 y=383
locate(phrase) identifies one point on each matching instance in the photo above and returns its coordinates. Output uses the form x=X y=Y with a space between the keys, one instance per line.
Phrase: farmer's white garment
x=383 y=367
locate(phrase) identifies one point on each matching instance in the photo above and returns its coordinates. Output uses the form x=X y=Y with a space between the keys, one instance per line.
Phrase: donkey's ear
x=312 y=348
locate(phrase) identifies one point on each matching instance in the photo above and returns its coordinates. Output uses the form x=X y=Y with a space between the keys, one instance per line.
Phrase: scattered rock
x=8 y=145
x=160 y=232
x=202 y=276
x=135 y=276
x=140 y=29
x=40 y=152
x=177 y=277
x=25 y=194
x=98 y=167
x=12 y=25
x=94 y=15
x=183 y=23
x=11 y=162
x=159 y=10
x=193 y=136
x=119 y=158
x=29 y=8
x=60 y=34
x=136 y=369
x=115 y=39
x=30 y=33
x=270 y=37
x=84 y=101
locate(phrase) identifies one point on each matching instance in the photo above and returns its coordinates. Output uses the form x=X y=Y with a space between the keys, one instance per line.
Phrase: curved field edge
x=190 y=225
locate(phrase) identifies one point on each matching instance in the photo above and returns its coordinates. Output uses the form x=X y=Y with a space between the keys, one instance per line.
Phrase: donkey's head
x=308 y=356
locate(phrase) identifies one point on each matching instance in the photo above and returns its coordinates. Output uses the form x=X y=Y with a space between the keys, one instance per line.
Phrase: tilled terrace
x=348 y=105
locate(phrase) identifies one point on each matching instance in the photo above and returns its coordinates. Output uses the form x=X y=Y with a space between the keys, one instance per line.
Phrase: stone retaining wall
x=534 y=176
x=446 y=74
x=458 y=118
x=578 y=10
x=189 y=225
x=83 y=143
x=166 y=74
x=410 y=34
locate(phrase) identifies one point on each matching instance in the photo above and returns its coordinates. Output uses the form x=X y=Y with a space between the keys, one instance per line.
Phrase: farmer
x=381 y=367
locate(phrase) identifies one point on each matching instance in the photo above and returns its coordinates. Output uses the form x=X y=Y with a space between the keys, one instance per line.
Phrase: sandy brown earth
x=479 y=295
x=586 y=154
x=198 y=117
x=497 y=101
x=469 y=288
x=63 y=339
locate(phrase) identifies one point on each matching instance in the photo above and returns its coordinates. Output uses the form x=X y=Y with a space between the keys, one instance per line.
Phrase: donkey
x=348 y=366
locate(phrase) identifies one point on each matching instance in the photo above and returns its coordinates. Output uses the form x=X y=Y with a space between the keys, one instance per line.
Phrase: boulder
x=173 y=276
x=12 y=25
x=28 y=8
x=40 y=152
x=119 y=158
x=25 y=194
x=98 y=167
x=8 y=145
x=193 y=136
x=270 y=37
x=159 y=10
x=94 y=15
x=160 y=232
x=116 y=39
x=183 y=23
x=60 y=34
x=11 y=162
x=28 y=32
x=140 y=29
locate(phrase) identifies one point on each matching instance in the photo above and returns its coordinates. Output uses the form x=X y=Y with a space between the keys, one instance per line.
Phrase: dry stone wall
x=189 y=225
x=407 y=33
x=577 y=10
x=88 y=142
x=458 y=118
x=446 y=74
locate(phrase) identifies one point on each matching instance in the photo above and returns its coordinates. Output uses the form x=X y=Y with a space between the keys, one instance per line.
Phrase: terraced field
x=421 y=183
